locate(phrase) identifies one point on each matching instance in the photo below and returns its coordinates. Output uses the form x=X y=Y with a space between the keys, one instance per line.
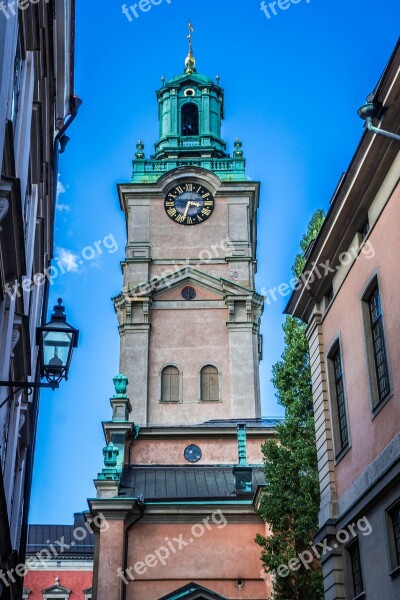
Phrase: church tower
x=188 y=315
x=183 y=464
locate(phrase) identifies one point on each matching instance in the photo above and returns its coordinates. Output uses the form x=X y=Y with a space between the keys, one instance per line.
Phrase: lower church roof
x=182 y=483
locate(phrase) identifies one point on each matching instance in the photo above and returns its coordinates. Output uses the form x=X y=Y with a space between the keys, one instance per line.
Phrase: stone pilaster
x=110 y=520
x=323 y=426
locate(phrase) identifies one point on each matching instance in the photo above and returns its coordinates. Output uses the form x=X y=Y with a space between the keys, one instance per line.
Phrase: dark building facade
x=36 y=106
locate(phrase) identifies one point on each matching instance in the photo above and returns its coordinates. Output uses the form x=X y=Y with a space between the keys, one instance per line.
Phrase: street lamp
x=56 y=342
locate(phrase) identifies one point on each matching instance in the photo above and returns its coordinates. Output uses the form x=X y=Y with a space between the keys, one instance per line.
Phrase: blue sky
x=293 y=84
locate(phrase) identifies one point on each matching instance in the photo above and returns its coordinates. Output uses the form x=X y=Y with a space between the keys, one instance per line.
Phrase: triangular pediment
x=56 y=590
x=193 y=591
x=188 y=275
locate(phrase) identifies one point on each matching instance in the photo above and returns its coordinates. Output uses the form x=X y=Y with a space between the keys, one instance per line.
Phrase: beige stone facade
x=220 y=327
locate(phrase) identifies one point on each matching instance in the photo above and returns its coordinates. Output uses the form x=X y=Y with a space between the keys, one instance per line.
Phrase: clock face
x=192 y=453
x=189 y=203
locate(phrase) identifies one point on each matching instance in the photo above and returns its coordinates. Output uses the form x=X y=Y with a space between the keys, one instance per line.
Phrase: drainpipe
x=367 y=113
x=135 y=437
x=61 y=140
x=141 y=505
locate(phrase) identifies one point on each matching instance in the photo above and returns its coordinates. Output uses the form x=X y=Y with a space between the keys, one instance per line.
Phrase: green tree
x=290 y=504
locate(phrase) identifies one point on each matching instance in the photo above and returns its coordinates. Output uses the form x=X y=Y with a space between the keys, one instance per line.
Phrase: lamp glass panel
x=56 y=348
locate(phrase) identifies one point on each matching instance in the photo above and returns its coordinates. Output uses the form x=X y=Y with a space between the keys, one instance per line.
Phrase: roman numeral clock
x=189 y=203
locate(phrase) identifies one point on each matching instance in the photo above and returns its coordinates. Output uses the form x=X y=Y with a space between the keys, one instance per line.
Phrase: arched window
x=170 y=384
x=209 y=384
x=190 y=119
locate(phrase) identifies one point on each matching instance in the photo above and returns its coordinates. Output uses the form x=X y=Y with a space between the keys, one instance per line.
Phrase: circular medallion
x=192 y=453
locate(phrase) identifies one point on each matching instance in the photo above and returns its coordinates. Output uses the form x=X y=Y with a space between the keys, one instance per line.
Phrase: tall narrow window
x=395 y=521
x=356 y=570
x=365 y=230
x=170 y=384
x=379 y=345
x=18 y=66
x=209 y=384
x=190 y=119
x=340 y=399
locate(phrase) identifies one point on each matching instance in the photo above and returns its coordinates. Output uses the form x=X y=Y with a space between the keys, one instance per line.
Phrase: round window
x=189 y=293
x=192 y=453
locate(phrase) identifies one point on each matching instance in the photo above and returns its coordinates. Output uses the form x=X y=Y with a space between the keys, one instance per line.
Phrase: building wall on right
x=372 y=415
x=349 y=300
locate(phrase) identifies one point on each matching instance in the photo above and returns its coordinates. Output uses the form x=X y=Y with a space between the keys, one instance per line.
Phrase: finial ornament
x=140 y=147
x=190 y=62
x=238 y=149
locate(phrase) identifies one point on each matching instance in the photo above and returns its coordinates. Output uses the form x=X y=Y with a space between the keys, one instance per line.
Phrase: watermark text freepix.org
x=53 y=551
x=161 y=555
x=140 y=7
x=269 y=8
x=317 y=551
x=60 y=267
x=318 y=271
x=10 y=9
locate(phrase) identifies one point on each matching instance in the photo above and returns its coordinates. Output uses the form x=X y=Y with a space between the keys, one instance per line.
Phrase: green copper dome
x=190 y=114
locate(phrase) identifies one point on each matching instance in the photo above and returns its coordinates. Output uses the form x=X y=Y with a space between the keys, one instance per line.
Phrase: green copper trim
x=110 y=471
x=227 y=169
x=242 y=445
x=190 y=503
x=120 y=384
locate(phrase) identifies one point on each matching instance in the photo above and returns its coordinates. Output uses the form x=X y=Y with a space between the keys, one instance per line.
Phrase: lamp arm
x=28 y=386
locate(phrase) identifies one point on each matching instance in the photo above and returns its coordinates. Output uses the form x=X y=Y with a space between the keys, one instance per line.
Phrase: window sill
x=362 y=595
x=341 y=455
x=395 y=572
x=381 y=405
x=209 y=401
x=170 y=402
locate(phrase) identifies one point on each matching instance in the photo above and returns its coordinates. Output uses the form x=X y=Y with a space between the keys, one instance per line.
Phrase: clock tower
x=189 y=315
x=183 y=454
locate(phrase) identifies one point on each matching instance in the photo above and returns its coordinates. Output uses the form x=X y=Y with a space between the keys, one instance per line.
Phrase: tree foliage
x=291 y=502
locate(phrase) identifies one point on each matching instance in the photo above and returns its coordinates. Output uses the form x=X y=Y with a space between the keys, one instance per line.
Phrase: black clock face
x=189 y=203
x=192 y=453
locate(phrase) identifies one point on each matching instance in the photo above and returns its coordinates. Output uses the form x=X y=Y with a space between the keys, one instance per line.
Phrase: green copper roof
x=195 y=77
x=190 y=114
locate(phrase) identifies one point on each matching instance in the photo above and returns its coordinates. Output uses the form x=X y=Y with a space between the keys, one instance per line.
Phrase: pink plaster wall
x=368 y=436
x=110 y=558
x=190 y=339
x=201 y=294
x=210 y=560
x=214 y=451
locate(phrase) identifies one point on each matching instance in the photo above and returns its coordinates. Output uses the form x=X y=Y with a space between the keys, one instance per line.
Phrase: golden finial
x=190 y=61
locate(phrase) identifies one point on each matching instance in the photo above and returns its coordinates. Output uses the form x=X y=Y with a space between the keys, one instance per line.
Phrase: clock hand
x=186 y=209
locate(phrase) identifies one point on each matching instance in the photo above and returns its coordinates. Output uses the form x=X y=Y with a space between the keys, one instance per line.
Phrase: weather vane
x=189 y=37
x=190 y=60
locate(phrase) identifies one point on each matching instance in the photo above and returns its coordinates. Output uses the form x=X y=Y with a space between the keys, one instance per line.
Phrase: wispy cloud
x=61 y=189
x=62 y=207
x=68 y=259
